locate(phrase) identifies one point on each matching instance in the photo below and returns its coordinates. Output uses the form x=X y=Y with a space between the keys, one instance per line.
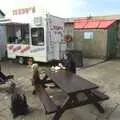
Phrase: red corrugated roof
x=93 y=24
x=80 y=24
x=106 y=24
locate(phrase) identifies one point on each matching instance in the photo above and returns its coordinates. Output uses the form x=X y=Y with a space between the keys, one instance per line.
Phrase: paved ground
x=106 y=75
x=91 y=62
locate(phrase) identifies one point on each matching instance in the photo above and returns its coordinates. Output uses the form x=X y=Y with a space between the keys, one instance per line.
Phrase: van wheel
x=21 y=60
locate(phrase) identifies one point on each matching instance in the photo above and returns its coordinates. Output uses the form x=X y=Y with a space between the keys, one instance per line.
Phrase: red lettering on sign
x=24 y=11
x=19 y=11
x=33 y=10
x=14 y=12
x=29 y=9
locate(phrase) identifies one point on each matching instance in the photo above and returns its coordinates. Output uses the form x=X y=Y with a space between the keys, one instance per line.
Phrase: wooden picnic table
x=73 y=84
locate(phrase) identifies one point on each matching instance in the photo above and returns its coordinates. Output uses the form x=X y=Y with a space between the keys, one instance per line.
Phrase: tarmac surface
x=106 y=75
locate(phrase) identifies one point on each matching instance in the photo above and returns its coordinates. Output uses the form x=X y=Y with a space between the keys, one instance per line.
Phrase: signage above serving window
x=24 y=11
x=38 y=21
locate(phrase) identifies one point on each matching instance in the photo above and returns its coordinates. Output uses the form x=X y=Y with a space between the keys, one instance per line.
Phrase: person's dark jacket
x=4 y=78
x=70 y=65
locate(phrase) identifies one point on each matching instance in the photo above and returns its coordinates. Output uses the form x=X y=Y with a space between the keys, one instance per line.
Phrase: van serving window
x=37 y=36
x=18 y=33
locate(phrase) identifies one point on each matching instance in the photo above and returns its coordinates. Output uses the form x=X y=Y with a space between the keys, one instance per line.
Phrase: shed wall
x=95 y=47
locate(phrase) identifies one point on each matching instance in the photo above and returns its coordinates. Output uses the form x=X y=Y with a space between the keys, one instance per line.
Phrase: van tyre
x=21 y=60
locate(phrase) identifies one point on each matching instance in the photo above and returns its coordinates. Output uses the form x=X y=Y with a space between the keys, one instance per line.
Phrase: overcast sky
x=67 y=8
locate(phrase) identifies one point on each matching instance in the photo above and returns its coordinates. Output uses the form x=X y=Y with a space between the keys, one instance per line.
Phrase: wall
x=2 y=42
x=10 y=31
x=90 y=48
x=2 y=38
x=112 y=41
x=118 y=40
x=95 y=47
x=1 y=16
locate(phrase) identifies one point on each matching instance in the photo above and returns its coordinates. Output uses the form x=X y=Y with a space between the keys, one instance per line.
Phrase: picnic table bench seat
x=99 y=95
x=49 y=105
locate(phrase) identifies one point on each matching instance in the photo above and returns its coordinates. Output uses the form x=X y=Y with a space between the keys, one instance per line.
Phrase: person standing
x=36 y=79
x=69 y=63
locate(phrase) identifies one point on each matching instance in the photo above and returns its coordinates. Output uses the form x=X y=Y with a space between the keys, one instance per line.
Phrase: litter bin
x=77 y=57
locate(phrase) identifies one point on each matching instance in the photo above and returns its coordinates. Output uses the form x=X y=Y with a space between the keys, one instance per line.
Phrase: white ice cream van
x=32 y=33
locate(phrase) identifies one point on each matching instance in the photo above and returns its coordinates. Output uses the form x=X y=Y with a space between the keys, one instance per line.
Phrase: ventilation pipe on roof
x=89 y=17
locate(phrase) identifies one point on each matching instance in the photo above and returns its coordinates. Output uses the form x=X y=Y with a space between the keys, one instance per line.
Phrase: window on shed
x=88 y=35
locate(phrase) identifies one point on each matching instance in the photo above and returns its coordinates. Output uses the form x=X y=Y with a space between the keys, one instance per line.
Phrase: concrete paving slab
x=88 y=62
x=115 y=115
x=6 y=114
x=80 y=113
x=101 y=118
x=106 y=75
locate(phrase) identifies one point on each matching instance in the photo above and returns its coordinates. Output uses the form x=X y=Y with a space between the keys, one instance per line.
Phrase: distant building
x=2 y=15
x=2 y=34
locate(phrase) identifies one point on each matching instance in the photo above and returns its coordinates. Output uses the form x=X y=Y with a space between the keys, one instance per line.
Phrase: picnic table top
x=71 y=83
